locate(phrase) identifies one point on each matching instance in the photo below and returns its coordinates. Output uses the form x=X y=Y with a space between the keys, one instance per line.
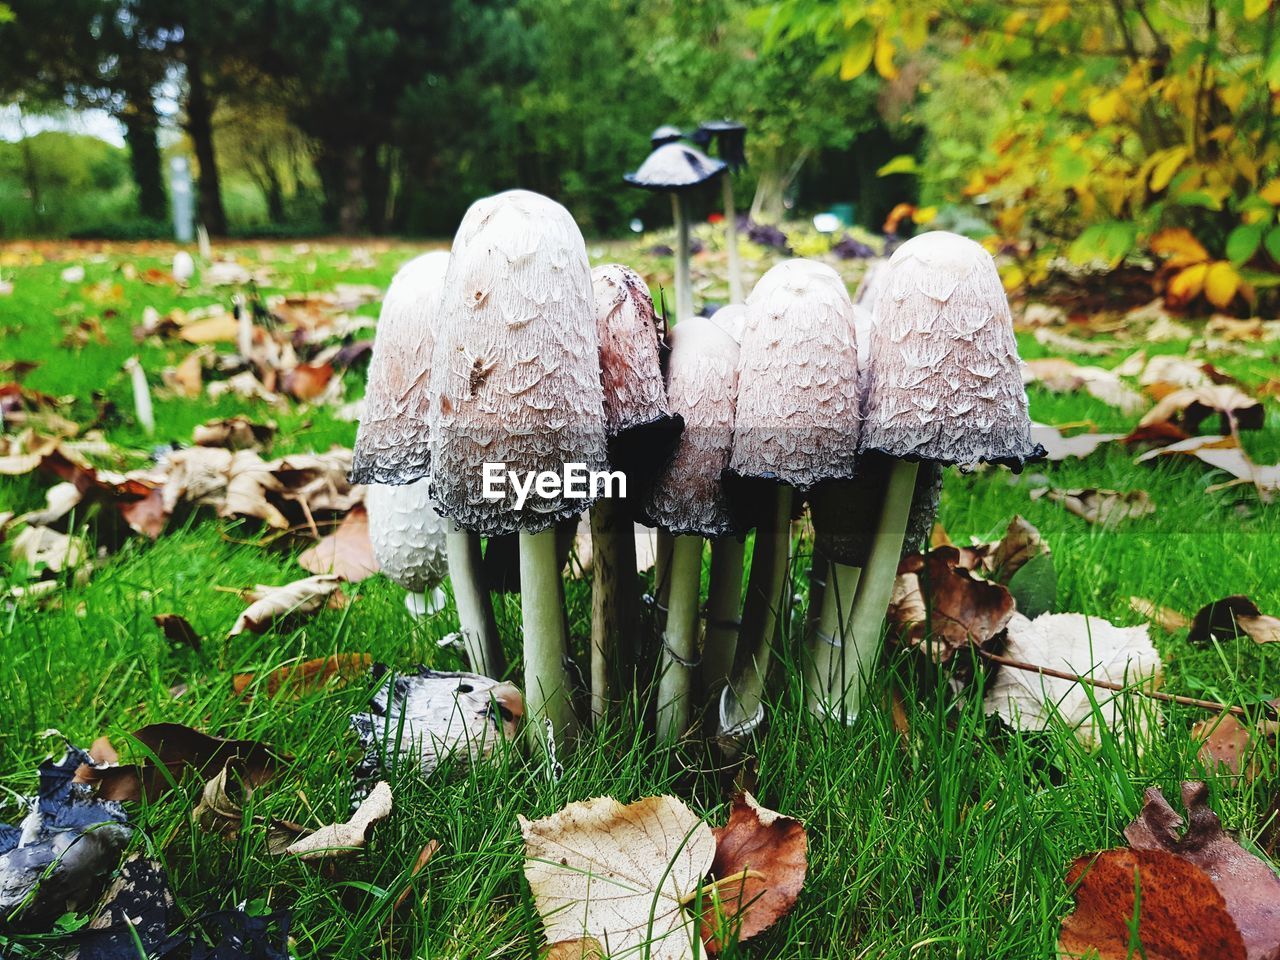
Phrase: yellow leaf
x=1012 y=278
x=1093 y=39
x=1167 y=167
x=1015 y=22
x=924 y=215
x=1052 y=16
x=1179 y=247
x=1233 y=95
x=857 y=58
x=1187 y=284
x=1103 y=109
x=1271 y=192
x=1221 y=283
x=1253 y=9
x=884 y=56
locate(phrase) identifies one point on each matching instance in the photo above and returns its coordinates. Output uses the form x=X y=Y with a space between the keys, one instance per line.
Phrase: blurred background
x=1085 y=131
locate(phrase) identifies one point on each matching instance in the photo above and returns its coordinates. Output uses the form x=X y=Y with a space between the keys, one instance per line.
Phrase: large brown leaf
x=1188 y=407
x=347 y=552
x=941 y=608
x=306 y=677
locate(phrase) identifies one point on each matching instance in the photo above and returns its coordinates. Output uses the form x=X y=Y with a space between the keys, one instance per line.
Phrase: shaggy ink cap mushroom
x=731 y=138
x=675 y=166
x=408 y=534
x=945 y=383
x=516 y=377
x=392 y=443
x=667 y=133
x=702 y=379
x=732 y=319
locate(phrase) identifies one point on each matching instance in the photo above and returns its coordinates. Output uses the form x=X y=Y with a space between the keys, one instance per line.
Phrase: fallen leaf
x=940 y=608
x=758 y=872
x=346 y=553
x=429 y=850
x=187 y=378
x=1107 y=508
x=1070 y=344
x=221 y=327
x=620 y=874
x=271 y=605
x=221 y=811
x=1059 y=375
x=427 y=716
x=1187 y=408
x=1226 y=742
x=306 y=382
x=1059 y=447
x=1225 y=619
x=43 y=550
x=1076 y=644
x=1249 y=887
x=1224 y=453
x=1182 y=917
x=341 y=839
x=234 y=433
x=306 y=677
x=178 y=630
x=1168 y=620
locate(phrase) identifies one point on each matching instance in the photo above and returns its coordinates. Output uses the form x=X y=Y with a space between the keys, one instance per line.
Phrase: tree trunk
x=200 y=129
x=776 y=177
x=140 y=133
x=351 y=199
x=376 y=183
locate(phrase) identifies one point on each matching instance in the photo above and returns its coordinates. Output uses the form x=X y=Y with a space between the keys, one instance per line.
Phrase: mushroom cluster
x=508 y=364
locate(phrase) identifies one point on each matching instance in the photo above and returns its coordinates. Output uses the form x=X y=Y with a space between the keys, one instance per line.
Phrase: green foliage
x=53 y=183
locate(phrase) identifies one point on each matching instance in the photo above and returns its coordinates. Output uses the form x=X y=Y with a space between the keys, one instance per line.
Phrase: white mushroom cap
x=732 y=319
x=392 y=444
x=407 y=534
x=516 y=373
x=945 y=383
x=702 y=379
x=630 y=361
x=797 y=414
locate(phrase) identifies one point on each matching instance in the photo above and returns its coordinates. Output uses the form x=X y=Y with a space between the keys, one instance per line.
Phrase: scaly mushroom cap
x=392 y=442
x=702 y=386
x=675 y=166
x=630 y=363
x=515 y=377
x=797 y=414
x=945 y=383
x=732 y=319
x=407 y=534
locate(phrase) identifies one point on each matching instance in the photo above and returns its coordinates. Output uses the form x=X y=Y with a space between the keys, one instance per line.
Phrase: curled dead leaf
x=1168 y=620
x=1059 y=447
x=1226 y=742
x=306 y=677
x=272 y=605
x=1107 y=508
x=1227 y=618
x=341 y=839
x=1187 y=408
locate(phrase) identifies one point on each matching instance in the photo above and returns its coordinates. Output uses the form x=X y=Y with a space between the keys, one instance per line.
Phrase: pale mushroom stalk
x=731 y=242
x=642 y=434
x=141 y=396
x=244 y=327
x=724 y=611
x=684 y=285
x=680 y=639
x=476 y=622
x=730 y=137
x=546 y=649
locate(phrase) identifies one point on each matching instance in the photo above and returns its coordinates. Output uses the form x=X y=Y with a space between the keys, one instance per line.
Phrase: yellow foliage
x=1271 y=192
x=1187 y=284
x=1053 y=15
x=1103 y=109
x=884 y=56
x=1166 y=167
x=1178 y=247
x=1221 y=283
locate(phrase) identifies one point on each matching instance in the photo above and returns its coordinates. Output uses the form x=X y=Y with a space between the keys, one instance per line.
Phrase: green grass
x=952 y=843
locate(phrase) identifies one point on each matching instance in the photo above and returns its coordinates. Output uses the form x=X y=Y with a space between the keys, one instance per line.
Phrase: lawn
x=945 y=834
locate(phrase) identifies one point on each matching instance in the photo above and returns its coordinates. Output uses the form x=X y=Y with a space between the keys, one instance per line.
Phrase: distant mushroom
x=667 y=133
x=393 y=448
x=142 y=407
x=515 y=382
x=689 y=502
x=676 y=168
x=641 y=434
x=184 y=268
x=944 y=388
x=797 y=426
x=730 y=137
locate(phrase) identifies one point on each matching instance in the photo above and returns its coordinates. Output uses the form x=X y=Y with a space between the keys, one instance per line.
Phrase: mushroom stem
x=741 y=702
x=679 y=639
x=244 y=327
x=475 y=612
x=852 y=649
x=546 y=679
x=141 y=396
x=615 y=611
x=827 y=671
x=684 y=287
x=724 y=609
x=731 y=242
x=819 y=573
x=662 y=571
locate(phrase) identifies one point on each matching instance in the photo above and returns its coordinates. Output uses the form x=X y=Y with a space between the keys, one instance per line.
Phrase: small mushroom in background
x=642 y=434
x=944 y=388
x=677 y=168
x=409 y=541
x=689 y=502
x=516 y=382
x=730 y=137
x=184 y=268
x=667 y=133
x=142 y=407
x=797 y=427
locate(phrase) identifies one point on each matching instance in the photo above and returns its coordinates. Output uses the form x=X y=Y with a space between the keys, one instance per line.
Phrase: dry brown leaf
x=306 y=677
x=429 y=850
x=178 y=630
x=1167 y=619
x=43 y=550
x=1188 y=407
x=1226 y=742
x=1059 y=447
x=1059 y=375
x=243 y=385
x=220 y=327
x=758 y=872
x=1084 y=646
x=621 y=874
x=234 y=433
x=1249 y=887
x=221 y=811
x=342 y=839
x=940 y=608
x=1183 y=917
x=1106 y=508
x=1226 y=618
x=347 y=552
x=1070 y=344
x=306 y=382
x=271 y=605
x=1224 y=453
x=187 y=378
x=586 y=948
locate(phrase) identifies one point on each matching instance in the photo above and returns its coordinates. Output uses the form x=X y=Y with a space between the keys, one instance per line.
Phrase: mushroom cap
x=732 y=319
x=515 y=377
x=392 y=444
x=945 y=381
x=702 y=379
x=667 y=133
x=731 y=139
x=675 y=166
x=407 y=534
x=630 y=358
x=797 y=414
